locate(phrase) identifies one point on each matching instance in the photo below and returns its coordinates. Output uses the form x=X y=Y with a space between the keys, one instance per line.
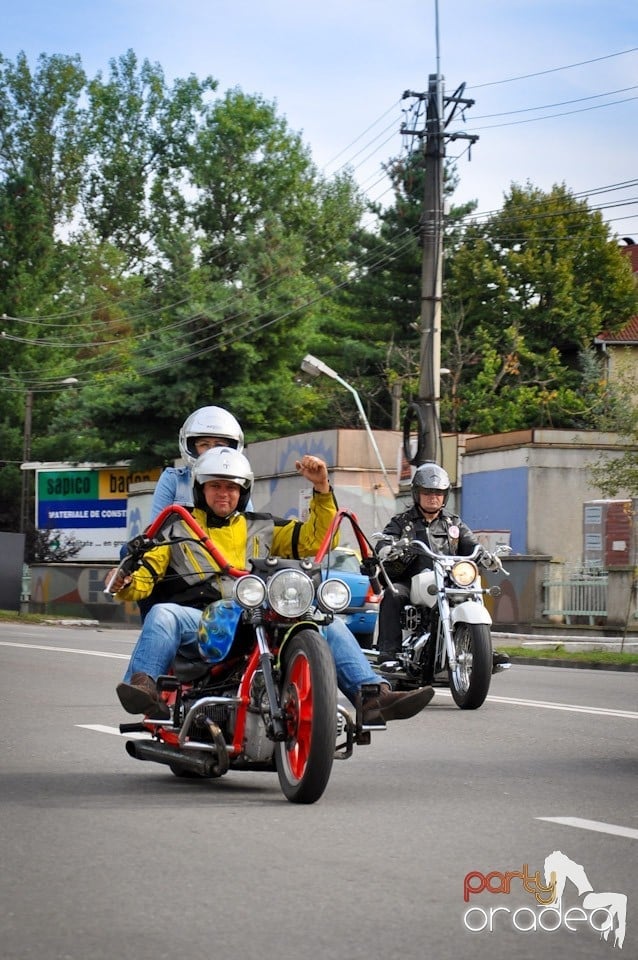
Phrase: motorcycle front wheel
x=470 y=679
x=309 y=701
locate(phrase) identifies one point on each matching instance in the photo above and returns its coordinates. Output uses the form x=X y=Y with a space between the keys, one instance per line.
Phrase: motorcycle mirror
x=503 y=550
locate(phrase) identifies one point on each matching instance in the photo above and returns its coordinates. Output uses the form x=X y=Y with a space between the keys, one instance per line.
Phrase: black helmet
x=430 y=476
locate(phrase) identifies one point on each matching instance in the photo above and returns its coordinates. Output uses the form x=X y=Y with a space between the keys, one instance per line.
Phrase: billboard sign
x=88 y=504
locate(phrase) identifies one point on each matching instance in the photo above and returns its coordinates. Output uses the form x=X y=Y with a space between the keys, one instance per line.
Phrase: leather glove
x=383 y=550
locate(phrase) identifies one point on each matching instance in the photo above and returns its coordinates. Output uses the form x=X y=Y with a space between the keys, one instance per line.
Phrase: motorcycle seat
x=189 y=670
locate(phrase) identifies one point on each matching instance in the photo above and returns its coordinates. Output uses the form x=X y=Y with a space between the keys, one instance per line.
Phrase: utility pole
x=424 y=413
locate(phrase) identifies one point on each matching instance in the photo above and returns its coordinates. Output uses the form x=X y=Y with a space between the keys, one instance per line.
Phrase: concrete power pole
x=422 y=416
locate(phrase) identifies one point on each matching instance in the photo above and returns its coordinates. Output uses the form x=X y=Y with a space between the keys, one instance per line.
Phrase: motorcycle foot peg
x=390 y=666
x=133 y=728
x=500 y=667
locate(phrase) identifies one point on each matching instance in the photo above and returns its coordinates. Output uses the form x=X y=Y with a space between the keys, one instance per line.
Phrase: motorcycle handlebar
x=148 y=540
x=406 y=546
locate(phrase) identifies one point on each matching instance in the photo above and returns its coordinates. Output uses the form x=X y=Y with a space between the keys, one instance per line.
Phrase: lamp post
x=26 y=456
x=26 y=451
x=314 y=367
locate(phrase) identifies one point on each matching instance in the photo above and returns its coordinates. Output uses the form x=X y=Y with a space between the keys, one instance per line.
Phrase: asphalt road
x=107 y=857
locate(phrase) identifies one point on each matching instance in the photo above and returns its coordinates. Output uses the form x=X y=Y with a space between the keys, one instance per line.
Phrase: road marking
x=86 y=653
x=549 y=705
x=596 y=825
x=515 y=701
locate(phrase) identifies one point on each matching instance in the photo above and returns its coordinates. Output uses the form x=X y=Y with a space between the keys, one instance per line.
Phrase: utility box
x=609 y=533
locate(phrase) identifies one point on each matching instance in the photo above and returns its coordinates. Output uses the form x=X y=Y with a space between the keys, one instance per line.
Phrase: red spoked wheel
x=309 y=700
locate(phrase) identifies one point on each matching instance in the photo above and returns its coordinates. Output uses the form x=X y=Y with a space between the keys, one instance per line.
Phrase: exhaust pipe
x=205 y=766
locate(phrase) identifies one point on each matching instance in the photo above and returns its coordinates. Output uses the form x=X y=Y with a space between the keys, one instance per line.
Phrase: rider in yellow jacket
x=191 y=579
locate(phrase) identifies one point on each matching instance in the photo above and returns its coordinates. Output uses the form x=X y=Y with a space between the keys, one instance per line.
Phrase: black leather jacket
x=445 y=534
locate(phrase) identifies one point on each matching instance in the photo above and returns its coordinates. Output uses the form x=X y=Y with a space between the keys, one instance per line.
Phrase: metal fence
x=575 y=593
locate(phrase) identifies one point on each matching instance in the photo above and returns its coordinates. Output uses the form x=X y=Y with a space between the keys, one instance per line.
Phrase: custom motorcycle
x=446 y=625
x=266 y=698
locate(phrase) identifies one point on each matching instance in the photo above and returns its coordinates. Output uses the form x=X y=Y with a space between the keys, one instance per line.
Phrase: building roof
x=628 y=334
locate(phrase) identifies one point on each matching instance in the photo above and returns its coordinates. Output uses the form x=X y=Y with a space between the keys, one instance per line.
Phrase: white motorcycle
x=446 y=625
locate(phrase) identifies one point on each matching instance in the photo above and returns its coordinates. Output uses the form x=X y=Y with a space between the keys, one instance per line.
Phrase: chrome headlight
x=334 y=595
x=290 y=593
x=464 y=573
x=250 y=592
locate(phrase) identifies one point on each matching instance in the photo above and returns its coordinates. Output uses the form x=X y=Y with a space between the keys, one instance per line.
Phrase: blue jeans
x=169 y=627
x=353 y=668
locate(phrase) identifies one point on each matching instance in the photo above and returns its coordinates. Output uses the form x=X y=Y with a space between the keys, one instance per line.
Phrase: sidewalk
x=575 y=643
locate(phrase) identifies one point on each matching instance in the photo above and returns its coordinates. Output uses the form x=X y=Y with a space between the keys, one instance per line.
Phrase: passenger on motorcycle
x=445 y=533
x=204 y=429
x=190 y=580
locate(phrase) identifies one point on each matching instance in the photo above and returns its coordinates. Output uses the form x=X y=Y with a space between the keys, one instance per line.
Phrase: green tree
x=229 y=305
x=140 y=142
x=371 y=333
x=526 y=293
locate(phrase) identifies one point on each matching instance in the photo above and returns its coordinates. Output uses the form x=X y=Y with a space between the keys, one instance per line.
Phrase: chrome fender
x=470 y=612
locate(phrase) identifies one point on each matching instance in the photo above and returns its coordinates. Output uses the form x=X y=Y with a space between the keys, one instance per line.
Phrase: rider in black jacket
x=444 y=533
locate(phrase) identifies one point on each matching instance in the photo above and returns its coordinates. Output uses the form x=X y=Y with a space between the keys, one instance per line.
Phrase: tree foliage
x=165 y=247
x=526 y=293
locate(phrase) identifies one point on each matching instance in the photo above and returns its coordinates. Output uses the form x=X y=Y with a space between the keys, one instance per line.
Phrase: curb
x=71 y=623
x=575 y=664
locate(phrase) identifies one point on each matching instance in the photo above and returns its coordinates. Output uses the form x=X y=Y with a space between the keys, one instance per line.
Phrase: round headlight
x=250 y=592
x=290 y=593
x=464 y=573
x=334 y=595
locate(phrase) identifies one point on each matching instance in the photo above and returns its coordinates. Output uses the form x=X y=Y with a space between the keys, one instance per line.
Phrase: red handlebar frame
x=219 y=558
x=183 y=514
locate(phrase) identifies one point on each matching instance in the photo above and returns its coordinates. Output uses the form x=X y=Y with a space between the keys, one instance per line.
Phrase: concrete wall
x=11 y=561
x=535 y=484
x=355 y=473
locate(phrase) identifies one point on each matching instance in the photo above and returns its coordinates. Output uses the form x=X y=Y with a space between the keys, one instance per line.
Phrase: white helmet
x=226 y=464
x=430 y=476
x=209 y=422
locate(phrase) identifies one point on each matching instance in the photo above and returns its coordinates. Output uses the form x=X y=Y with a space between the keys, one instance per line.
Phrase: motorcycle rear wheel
x=309 y=700
x=470 y=680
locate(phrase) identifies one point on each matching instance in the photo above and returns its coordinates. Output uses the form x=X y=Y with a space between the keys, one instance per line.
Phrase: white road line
x=86 y=653
x=595 y=825
x=515 y=701
x=549 y=705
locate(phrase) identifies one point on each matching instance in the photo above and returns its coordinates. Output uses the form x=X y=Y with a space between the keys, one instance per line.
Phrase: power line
x=541 y=73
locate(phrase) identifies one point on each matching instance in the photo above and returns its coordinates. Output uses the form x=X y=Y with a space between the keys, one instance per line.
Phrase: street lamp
x=314 y=367
x=26 y=451
x=26 y=456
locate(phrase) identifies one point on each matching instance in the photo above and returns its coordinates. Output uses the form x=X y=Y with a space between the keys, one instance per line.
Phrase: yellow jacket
x=184 y=571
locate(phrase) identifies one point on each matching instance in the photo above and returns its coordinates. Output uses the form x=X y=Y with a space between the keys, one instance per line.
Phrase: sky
x=554 y=82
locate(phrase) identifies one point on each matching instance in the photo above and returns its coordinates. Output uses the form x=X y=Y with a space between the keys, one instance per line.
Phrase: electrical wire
x=542 y=73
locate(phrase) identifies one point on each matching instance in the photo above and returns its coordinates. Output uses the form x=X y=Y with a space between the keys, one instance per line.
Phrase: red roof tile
x=628 y=334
